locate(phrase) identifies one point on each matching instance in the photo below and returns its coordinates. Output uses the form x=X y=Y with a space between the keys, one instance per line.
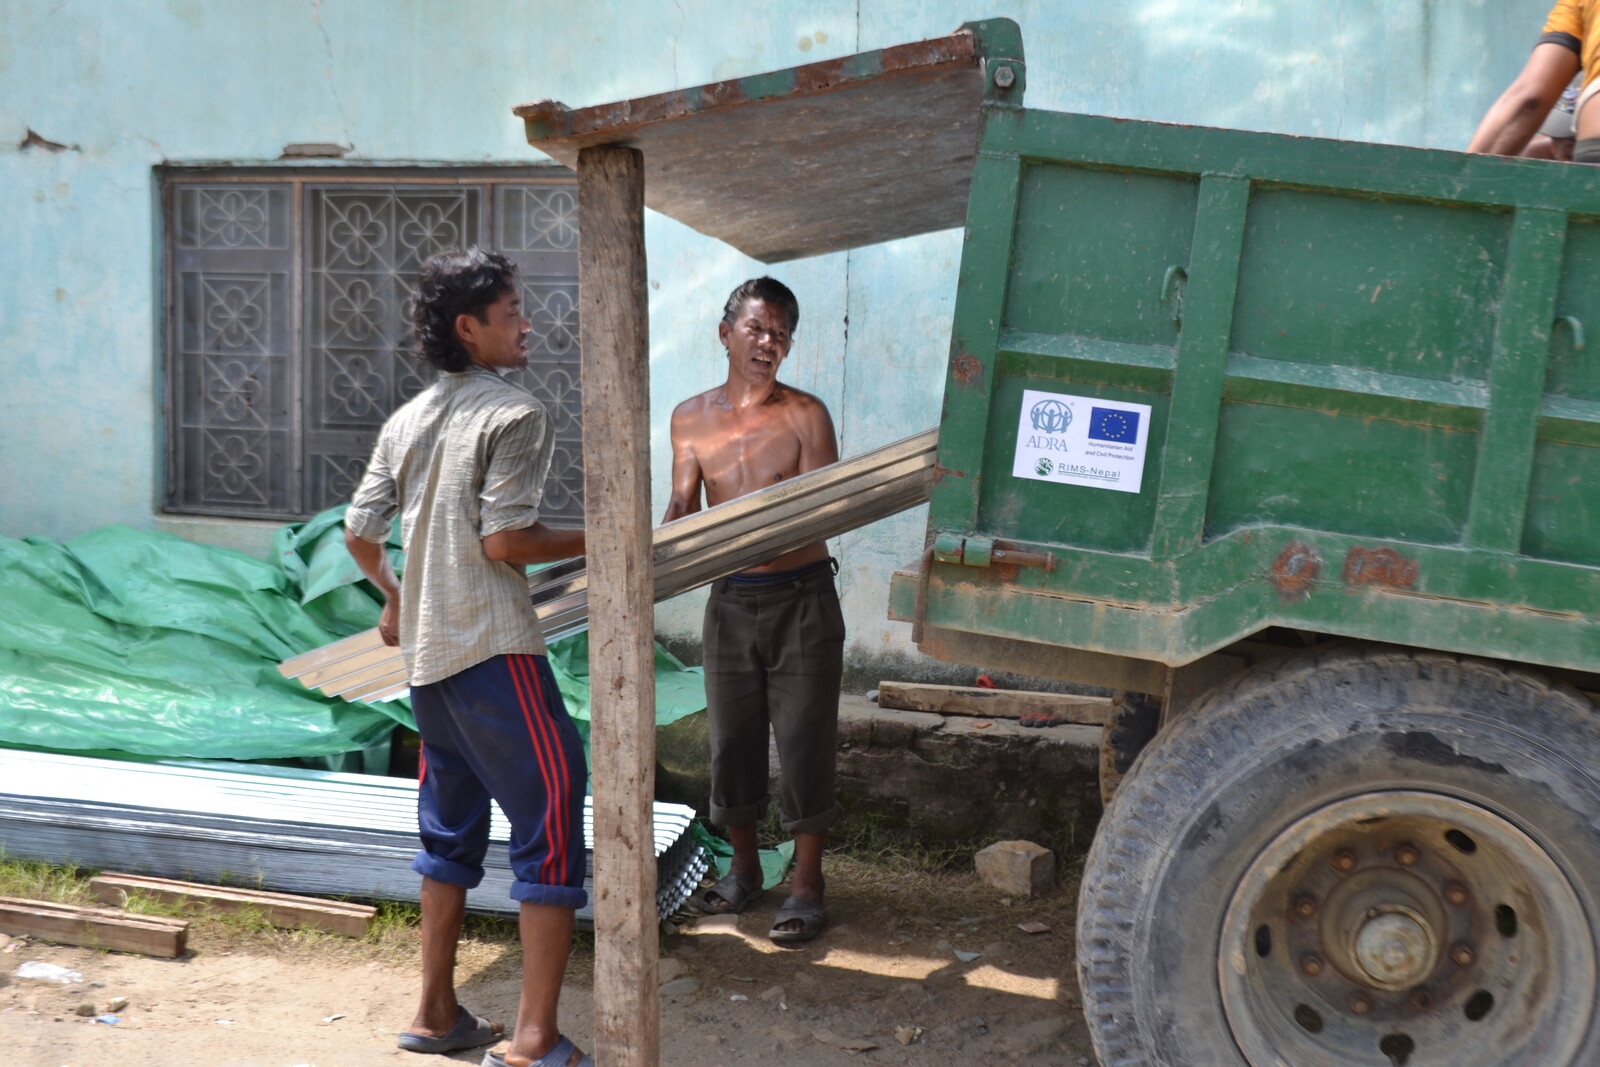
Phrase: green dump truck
x=1300 y=439
x=1297 y=442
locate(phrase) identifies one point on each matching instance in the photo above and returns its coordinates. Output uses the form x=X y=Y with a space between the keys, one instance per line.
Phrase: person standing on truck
x=1555 y=137
x=1570 y=43
x=774 y=635
x=464 y=464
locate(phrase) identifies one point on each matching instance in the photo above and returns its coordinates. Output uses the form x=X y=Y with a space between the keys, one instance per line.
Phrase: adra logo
x=1050 y=416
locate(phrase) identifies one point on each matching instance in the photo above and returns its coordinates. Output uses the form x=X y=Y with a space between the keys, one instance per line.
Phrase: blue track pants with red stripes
x=500 y=729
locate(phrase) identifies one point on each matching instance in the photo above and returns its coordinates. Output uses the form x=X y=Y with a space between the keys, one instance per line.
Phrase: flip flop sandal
x=730 y=896
x=468 y=1032
x=558 y=1056
x=810 y=916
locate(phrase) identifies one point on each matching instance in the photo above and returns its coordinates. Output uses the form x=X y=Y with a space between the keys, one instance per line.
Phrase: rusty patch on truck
x=995 y=574
x=941 y=473
x=966 y=368
x=1296 y=567
x=1379 y=566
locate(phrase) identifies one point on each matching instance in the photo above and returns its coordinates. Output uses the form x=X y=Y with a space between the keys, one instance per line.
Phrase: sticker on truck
x=1078 y=440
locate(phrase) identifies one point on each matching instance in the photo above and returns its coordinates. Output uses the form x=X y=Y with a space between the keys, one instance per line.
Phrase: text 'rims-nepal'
x=1406 y=929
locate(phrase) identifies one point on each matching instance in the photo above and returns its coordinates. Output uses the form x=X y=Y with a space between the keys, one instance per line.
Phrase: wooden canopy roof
x=812 y=159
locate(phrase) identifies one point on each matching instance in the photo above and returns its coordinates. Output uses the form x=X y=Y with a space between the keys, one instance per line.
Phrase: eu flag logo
x=1113 y=424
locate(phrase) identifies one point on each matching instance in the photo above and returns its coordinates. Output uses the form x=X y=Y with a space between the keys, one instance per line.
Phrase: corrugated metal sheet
x=689 y=552
x=299 y=831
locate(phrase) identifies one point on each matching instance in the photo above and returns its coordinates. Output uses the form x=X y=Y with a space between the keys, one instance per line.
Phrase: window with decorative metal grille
x=287 y=323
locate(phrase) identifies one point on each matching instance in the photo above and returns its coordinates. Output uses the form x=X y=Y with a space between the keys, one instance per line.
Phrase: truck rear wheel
x=1131 y=725
x=1358 y=857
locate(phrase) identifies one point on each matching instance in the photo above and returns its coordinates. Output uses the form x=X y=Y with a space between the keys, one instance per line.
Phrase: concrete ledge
x=253 y=538
x=958 y=780
x=938 y=779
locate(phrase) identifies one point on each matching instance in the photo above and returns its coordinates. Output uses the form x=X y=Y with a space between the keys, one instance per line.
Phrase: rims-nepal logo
x=1050 y=416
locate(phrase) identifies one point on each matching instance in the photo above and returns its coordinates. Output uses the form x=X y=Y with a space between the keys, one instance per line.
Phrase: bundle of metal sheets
x=298 y=831
x=689 y=552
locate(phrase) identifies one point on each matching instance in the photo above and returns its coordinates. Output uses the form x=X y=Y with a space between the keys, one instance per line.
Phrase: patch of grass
x=488 y=927
x=868 y=839
x=139 y=902
x=871 y=836
x=35 y=880
x=395 y=920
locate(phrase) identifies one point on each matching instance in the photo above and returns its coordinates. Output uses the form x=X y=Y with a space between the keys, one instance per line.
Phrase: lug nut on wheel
x=1455 y=894
x=1421 y=999
x=1462 y=955
x=1305 y=907
x=1406 y=855
x=1311 y=963
x=1360 y=1003
x=1344 y=860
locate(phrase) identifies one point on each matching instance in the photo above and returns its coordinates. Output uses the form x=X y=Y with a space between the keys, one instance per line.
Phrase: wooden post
x=614 y=319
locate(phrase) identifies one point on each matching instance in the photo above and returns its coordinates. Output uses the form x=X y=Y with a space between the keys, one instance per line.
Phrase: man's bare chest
x=736 y=459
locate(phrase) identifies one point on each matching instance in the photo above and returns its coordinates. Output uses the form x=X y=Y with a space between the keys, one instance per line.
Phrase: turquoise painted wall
x=129 y=86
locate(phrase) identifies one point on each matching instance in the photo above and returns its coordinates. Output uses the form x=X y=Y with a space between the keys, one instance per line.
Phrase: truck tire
x=1355 y=857
x=1130 y=726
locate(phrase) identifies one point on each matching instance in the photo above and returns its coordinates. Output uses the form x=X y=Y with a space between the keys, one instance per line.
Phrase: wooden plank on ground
x=993 y=703
x=150 y=935
x=280 y=909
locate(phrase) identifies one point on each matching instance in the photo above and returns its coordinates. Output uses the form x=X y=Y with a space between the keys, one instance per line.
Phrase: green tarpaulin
x=131 y=641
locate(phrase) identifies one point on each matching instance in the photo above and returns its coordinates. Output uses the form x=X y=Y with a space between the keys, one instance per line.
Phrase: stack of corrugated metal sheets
x=299 y=831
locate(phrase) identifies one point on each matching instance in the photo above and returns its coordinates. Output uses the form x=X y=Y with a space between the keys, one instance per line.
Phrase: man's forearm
x=534 y=544
x=373 y=559
x=1516 y=116
x=1508 y=127
x=678 y=507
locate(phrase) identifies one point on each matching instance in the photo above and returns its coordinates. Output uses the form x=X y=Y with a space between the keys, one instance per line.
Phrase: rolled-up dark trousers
x=773 y=659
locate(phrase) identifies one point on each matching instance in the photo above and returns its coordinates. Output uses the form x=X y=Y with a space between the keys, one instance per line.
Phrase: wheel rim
x=1407 y=929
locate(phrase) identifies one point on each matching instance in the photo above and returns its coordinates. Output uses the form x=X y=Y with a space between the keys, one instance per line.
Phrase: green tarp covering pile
x=130 y=641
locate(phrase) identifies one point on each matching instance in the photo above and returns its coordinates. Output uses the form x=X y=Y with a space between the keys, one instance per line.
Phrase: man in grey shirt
x=464 y=465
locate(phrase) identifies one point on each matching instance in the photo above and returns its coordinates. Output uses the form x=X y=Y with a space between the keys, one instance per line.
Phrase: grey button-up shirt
x=466 y=458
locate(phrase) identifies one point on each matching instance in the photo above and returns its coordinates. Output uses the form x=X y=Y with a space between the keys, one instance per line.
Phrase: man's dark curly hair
x=455 y=283
x=768 y=290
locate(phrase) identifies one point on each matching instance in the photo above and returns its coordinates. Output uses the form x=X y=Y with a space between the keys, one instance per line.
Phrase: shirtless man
x=774 y=636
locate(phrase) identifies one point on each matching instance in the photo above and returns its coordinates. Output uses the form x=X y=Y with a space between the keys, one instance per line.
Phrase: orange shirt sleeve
x=1565 y=17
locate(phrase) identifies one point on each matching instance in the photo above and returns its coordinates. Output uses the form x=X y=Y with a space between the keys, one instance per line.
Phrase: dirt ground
x=886 y=974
